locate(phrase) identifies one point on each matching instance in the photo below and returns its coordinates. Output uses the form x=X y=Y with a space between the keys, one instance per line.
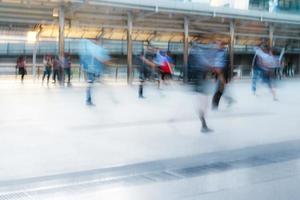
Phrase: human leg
x=90 y=82
x=255 y=75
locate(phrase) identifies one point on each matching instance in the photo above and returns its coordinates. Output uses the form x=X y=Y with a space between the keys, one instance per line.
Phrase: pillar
x=185 y=49
x=271 y=35
x=34 y=58
x=61 y=37
x=231 y=48
x=129 y=48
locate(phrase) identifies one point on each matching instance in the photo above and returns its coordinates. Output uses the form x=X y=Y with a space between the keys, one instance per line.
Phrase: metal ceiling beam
x=98 y=16
x=25 y=11
x=75 y=7
x=26 y=21
x=24 y=16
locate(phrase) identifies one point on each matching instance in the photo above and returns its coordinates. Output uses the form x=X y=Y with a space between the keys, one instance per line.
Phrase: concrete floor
x=48 y=133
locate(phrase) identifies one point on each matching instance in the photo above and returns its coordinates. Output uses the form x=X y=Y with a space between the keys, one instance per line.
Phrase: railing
x=113 y=72
x=72 y=46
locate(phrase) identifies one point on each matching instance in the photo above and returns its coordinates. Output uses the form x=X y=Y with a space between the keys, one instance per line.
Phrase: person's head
x=221 y=44
x=67 y=55
x=268 y=49
x=272 y=51
x=162 y=52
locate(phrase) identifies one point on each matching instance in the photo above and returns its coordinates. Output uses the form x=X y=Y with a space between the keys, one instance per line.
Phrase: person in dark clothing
x=221 y=69
x=257 y=72
x=151 y=64
x=56 y=69
x=67 y=68
x=144 y=71
x=47 y=69
x=21 y=66
x=142 y=74
x=290 y=70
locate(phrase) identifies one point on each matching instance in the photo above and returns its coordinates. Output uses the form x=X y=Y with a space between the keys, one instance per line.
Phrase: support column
x=186 y=49
x=129 y=48
x=61 y=39
x=231 y=49
x=34 y=58
x=271 y=35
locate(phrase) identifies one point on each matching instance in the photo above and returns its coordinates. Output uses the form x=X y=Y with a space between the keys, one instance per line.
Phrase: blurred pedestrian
x=199 y=66
x=163 y=65
x=290 y=69
x=150 y=62
x=67 y=68
x=21 y=67
x=162 y=69
x=268 y=62
x=56 y=69
x=47 y=68
x=92 y=58
x=257 y=72
x=142 y=67
x=220 y=68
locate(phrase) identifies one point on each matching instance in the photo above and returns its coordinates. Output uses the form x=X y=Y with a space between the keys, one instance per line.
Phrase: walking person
x=142 y=67
x=199 y=65
x=257 y=71
x=92 y=59
x=290 y=70
x=285 y=69
x=163 y=65
x=56 y=69
x=67 y=69
x=151 y=61
x=21 y=66
x=220 y=68
x=278 y=73
x=268 y=62
x=160 y=66
x=47 y=68
x=145 y=68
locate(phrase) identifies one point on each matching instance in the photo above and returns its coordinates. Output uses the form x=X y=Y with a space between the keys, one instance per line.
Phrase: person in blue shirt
x=92 y=59
x=199 y=65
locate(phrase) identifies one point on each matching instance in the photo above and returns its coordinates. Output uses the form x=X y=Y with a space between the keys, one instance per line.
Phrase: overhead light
x=217 y=3
x=55 y=12
x=31 y=36
x=241 y=4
